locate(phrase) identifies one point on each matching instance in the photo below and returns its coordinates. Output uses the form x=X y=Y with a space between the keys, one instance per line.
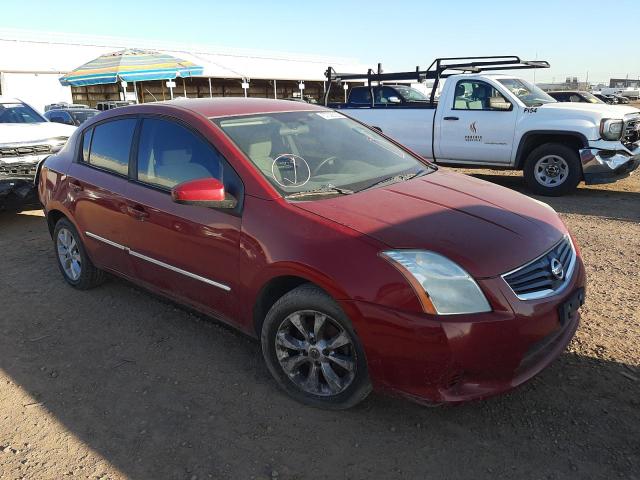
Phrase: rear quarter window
x=111 y=145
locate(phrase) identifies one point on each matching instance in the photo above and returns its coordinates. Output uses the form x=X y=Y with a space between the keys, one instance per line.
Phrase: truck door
x=476 y=124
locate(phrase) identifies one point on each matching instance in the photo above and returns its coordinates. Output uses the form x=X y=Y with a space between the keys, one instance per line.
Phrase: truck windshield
x=310 y=154
x=528 y=93
x=19 y=113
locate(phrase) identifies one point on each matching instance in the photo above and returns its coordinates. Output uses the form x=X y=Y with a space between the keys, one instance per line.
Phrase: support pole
x=135 y=89
x=184 y=87
x=275 y=89
x=210 y=89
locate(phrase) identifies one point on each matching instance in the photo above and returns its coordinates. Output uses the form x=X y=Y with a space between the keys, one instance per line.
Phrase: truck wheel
x=552 y=169
x=313 y=352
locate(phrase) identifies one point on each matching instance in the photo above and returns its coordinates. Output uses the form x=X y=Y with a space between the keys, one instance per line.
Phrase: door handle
x=75 y=186
x=137 y=212
x=451 y=118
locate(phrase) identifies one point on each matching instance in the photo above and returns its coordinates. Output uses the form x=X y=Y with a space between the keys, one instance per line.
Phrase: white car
x=26 y=138
x=501 y=121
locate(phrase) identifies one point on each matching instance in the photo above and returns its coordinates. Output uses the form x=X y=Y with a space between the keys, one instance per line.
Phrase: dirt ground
x=116 y=383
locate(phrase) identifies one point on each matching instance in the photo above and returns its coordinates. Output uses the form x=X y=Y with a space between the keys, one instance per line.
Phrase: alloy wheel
x=69 y=254
x=316 y=353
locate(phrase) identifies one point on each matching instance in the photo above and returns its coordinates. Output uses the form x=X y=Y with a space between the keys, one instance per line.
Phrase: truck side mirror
x=501 y=106
x=394 y=99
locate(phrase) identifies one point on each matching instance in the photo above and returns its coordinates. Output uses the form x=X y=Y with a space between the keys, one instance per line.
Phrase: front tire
x=552 y=170
x=312 y=351
x=73 y=261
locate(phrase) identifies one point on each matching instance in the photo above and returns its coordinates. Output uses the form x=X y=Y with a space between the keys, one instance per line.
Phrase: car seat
x=460 y=103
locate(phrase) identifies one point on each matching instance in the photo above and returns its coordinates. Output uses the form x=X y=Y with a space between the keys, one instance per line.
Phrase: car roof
x=226 y=106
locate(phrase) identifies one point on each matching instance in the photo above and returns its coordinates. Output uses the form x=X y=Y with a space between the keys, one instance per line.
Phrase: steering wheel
x=323 y=163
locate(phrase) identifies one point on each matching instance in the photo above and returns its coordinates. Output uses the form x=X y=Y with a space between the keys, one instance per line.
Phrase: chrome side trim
x=222 y=286
x=548 y=292
x=179 y=270
x=104 y=240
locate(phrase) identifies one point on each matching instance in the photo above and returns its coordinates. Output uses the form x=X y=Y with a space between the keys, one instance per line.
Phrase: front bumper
x=607 y=166
x=18 y=193
x=17 y=183
x=465 y=357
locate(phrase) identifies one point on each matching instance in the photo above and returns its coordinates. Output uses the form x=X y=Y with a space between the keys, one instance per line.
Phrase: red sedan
x=357 y=264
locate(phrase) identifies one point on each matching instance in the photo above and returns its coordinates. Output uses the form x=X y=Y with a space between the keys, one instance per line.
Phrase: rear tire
x=73 y=261
x=552 y=170
x=312 y=351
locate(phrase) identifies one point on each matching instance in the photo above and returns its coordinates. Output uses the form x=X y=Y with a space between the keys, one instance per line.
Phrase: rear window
x=111 y=145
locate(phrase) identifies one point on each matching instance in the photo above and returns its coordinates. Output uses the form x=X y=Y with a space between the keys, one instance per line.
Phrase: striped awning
x=130 y=65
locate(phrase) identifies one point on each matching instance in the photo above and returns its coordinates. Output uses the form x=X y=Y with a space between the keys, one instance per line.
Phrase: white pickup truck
x=26 y=138
x=491 y=120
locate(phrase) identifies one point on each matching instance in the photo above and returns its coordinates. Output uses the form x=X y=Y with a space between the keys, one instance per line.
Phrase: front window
x=476 y=95
x=319 y=152
x=19 y=113
x=528 y=93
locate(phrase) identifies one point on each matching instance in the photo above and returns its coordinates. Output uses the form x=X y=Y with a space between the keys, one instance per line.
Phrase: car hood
x=33 y=132
x=487 y=229
x=602 y=110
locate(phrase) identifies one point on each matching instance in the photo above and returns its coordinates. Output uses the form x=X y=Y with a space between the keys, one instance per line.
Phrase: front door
x=478 y=126
x=189 y=252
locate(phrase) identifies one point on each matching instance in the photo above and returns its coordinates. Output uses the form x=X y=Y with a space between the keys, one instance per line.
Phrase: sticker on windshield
x=289 y=170
x=330 y=115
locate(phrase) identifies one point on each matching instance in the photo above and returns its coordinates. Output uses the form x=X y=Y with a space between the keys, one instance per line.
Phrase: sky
x=578 y=38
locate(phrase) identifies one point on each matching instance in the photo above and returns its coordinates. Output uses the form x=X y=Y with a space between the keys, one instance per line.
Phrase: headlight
x=611 y=129
x=442 y=286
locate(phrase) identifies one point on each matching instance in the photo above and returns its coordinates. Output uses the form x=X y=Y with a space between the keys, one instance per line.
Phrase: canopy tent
x=130 y=65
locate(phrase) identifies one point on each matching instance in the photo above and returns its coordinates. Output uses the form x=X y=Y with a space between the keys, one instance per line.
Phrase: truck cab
x=484 y=119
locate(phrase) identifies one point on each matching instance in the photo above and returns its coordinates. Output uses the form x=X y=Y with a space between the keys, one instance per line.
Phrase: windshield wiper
x=325 y=189
x=396 y=178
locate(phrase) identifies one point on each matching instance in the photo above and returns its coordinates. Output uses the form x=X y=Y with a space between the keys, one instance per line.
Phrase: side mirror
x=502 y=106
x=394 y=99
x=204 y=192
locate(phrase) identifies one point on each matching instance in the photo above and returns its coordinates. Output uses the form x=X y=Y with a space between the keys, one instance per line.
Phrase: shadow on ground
x=162 y=393
x=586 y=200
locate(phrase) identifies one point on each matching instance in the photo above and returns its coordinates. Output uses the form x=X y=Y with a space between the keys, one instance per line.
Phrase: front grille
x=18 y=170
x=24 y=150
x=546 y=275
x=631 y=132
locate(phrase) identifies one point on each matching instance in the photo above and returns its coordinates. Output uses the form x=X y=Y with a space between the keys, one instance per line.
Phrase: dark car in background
x=609 y=99
x=70 y=116
x=575 y=96
x=621 y=99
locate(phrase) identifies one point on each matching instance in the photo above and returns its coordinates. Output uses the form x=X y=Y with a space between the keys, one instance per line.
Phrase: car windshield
x=528 y=93
x=411 y=94
x=319 y=153
x=19 y=113
x=80 y=116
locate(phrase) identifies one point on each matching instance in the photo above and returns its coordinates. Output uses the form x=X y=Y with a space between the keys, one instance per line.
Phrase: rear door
x=190 y=252
x=477 y=125
x=98 y=183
